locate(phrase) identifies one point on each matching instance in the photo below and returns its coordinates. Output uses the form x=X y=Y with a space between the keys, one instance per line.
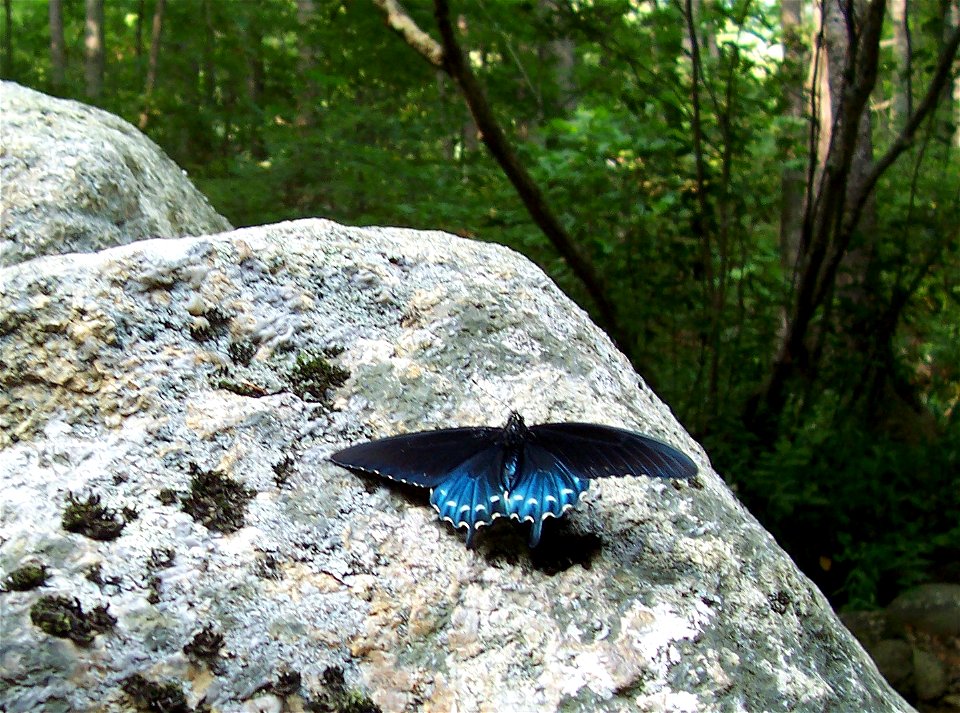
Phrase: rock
x=929 y=676
x=933 y=608
x=76 y=178
x=143 y=373
x=870 y=627
x=894 y=658
x=188 y=391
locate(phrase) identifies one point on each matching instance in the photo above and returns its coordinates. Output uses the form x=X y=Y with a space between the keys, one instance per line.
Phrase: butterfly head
x=515 y=432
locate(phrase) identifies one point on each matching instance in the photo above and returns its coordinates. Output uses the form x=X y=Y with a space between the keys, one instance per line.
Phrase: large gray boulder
x=196 y=387
x=77 y=179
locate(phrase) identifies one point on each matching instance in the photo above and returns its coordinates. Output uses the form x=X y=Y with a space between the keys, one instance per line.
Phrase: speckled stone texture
x=127 y=372
x=77 y=179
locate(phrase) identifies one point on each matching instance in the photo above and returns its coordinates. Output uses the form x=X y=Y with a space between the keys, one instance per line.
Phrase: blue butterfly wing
x=472 y=495
x=425 y=458
x=546 y=487
x=464 y=468
x=588 y=450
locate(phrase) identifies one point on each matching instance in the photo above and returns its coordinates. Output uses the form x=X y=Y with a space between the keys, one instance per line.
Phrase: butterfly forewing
x=427 y=458
x=592 y=451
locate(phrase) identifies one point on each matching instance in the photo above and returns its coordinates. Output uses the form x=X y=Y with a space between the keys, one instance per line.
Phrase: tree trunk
x=795 y=58
x=562 y=56
x=953 y=23
x=138 y=31
x=255 y=84
x=902 y=100
x=58 y=54
x=208 y=66
x=93 y=48
x=306 y=61
x=153 y=62
x=848 y=70
x=6 y=70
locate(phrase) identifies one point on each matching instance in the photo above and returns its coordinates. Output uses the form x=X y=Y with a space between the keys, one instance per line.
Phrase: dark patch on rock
x=216 y=501
x=210 y=325
x=22 y=579
x=241 y=352
x=90 y=518
x=154 y=697
x=64 y=618
x=779 y=602
x=204 y=646
x=313 y=375
x=335 y=697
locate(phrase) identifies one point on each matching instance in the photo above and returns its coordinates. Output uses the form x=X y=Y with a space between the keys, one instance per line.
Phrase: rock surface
x=168 y=375
x=77 y=179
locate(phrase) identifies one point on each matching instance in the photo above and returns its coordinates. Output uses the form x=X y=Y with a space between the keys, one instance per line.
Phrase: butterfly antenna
x=503 y=404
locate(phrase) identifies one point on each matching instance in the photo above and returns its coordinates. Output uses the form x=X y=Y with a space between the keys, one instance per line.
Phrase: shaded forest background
x=760 y=203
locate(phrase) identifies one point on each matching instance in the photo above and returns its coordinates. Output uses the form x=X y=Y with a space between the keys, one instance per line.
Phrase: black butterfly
x=476 y=475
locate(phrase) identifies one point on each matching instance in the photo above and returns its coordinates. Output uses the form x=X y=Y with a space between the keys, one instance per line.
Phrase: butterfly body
x=477 y=475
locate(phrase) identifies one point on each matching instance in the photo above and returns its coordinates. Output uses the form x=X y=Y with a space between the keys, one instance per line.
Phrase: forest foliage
x=707 y=160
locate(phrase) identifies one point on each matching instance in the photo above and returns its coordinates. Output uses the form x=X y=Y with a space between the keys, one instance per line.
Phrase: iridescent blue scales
x=476 y=475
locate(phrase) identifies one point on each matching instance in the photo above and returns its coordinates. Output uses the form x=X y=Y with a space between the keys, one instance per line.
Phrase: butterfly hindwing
x=546 y=487
x=593 y=451
x=471 y=495
x=426 y=458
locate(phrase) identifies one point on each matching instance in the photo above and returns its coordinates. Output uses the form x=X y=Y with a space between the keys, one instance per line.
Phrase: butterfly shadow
x=503 y=542
x=561 y=546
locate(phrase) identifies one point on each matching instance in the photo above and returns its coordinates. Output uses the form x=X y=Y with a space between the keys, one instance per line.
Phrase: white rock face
x=172 y=379
x=124 y=376
x=77 y=179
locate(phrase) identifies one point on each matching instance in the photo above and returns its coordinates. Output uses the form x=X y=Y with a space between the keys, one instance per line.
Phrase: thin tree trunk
x=701 y=226
x=902 y=104
x=954 y=23
x=6 y=70
x=93 y=48
x=209 y=67
x=153 y=63
x=563 y=57
x=138 y=31
x=306 y=61
x=58 y=54
x=791 y=179
x=849 y=69
x=255 y=84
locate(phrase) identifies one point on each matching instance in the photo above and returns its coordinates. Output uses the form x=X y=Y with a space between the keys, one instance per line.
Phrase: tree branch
x=929 y=104
x=400 y=22
x=453 y=62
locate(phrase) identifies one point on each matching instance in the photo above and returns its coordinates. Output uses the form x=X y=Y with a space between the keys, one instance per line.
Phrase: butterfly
x=476 y=475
